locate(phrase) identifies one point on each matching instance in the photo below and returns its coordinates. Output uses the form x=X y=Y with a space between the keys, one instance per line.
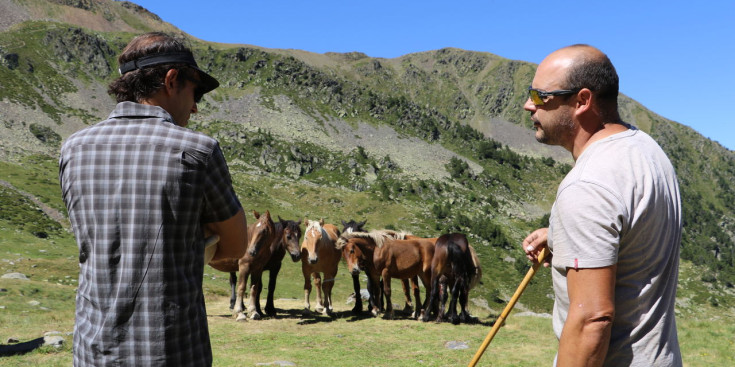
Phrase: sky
x=674 y=57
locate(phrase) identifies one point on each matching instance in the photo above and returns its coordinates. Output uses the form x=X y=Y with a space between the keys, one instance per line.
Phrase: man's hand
x=533 y=244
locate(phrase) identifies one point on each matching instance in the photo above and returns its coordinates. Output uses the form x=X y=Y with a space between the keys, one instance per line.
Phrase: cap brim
x=209 y=83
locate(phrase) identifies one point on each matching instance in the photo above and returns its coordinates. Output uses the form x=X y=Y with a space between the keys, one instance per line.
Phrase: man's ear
x=170 y=81
x=585 y=98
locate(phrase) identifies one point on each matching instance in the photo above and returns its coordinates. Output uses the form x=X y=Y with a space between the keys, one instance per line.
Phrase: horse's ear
x=321 y=221
x=343 y=223
x=267 y=214
x=280 y=220
x=306 y=222
x=256 y=214
x=362 y=223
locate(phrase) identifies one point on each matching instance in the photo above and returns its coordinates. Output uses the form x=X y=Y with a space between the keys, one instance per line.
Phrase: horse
x=319 y=255
x=454 y=267
x=357 y=250
x=232 y=265
x=405 y=259
x=350 y=227
x=272 y=241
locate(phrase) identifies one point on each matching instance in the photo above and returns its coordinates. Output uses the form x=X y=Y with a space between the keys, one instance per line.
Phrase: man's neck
x=586 y=137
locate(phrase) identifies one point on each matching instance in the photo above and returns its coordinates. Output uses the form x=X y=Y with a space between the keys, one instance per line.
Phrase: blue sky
x=674 y=57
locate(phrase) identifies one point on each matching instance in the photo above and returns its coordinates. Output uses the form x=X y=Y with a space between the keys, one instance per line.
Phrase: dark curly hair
x=140 y=84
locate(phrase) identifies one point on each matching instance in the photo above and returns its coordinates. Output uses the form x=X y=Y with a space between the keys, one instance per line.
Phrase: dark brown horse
x=350 y=227
x=319 y=255
x=273 y=241
x=454 y=268
x=404 y=259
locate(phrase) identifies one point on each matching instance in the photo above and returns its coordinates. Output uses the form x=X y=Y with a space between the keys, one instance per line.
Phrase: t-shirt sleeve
x=220 y=200
x=586 y=226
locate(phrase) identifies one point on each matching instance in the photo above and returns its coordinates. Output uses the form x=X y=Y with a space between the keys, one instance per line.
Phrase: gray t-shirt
x=621 y=204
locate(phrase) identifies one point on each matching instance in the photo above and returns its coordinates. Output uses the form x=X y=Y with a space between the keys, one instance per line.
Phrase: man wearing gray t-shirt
x=615 y=227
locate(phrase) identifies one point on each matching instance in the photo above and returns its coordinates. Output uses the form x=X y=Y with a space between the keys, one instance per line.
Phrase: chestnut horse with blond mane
x=319 y=255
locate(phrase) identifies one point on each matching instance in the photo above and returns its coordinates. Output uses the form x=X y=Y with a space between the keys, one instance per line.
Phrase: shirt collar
x=131 y=109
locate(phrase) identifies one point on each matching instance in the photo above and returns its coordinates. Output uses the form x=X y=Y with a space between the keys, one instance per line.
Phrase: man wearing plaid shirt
x=140 y=189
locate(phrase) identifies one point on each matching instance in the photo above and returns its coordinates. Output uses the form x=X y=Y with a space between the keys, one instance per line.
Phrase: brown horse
x=454 y=269
x=319 y=255
x=404 y=259
x=357 y=250
x=232 y=265
x=286 y=239
x=261 y=234
x=270 y=241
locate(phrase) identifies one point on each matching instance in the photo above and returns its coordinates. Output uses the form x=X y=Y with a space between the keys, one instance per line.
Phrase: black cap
x=209 y=83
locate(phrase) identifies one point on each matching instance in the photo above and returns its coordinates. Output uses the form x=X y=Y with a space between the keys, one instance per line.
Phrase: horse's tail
x=460 y=257
x=476 y=275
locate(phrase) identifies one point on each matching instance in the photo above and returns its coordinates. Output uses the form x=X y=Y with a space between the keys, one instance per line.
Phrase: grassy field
x=45 y=302
x=706 y=334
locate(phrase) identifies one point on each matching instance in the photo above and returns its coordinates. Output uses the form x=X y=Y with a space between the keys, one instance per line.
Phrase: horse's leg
x=407 y=293
x=417 y=298
x=233 y=290
x=431 y=301
x=464 y=315
x=328 y=284
x=443 y=293
x=270 y=308
x=375 y=290
x=256 y=286
x=458 y=283
x=358 y=297
x=386 y=290
x=307 y=286
x=426 y=280
x=319 y=295
x=241 y=284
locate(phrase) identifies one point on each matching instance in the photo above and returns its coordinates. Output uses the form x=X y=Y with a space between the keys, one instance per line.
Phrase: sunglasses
x=198 y=90
x=539 y=97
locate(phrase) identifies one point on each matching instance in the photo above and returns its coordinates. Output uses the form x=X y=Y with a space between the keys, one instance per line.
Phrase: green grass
x=706 y=338
x=705 y=330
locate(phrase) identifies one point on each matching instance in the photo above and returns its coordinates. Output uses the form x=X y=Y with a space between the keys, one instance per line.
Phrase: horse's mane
x=315 y=225
x=378 y=236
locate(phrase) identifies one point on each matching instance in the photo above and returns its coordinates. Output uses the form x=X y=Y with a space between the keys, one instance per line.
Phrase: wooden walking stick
x=509 y=307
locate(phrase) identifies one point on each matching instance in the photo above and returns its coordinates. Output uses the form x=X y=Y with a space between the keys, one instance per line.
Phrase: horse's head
x=262 y=232
x=352 y=226
x=291 y=237
x=351 y=253
x=312 y=237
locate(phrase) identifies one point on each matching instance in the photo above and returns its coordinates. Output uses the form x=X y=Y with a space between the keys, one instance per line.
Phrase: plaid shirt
x=137 y=188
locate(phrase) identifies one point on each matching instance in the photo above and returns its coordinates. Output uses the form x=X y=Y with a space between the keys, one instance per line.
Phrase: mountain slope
x=429 y=142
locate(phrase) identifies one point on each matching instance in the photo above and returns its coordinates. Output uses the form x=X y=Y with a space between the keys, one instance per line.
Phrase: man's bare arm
x=586 y=335
x=232 y=236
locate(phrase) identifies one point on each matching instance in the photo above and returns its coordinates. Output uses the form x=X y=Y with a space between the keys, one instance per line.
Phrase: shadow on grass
x=310 y=317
